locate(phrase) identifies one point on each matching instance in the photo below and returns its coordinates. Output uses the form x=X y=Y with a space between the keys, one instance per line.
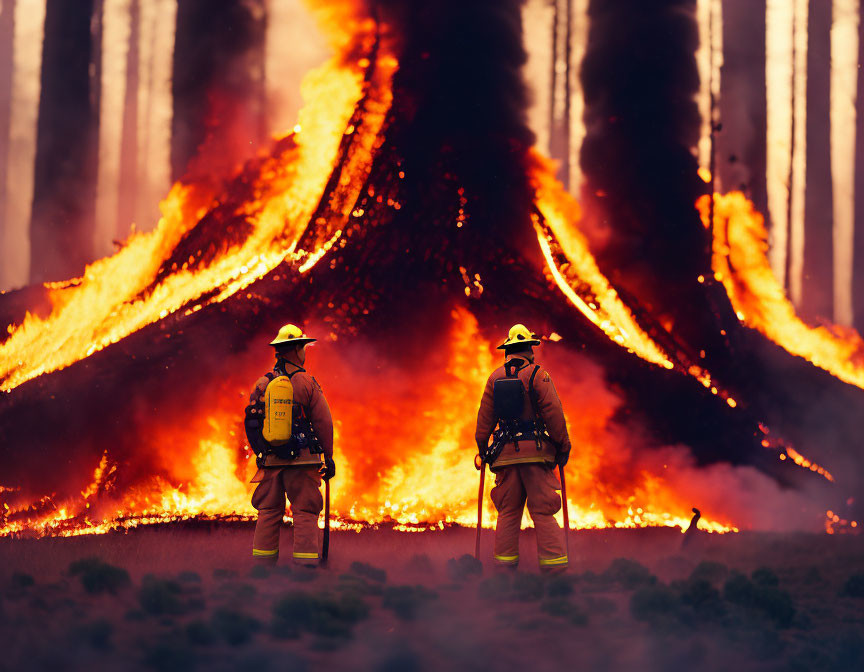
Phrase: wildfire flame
x=740 y=262
x=417 y=475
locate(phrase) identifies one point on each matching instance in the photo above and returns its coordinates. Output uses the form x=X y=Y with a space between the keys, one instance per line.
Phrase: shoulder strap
x=531 y=395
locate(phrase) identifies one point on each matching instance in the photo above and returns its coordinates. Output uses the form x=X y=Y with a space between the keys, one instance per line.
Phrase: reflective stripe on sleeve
x=306 y=556
x=507 y=559
x=257 y=552
x=551 y=562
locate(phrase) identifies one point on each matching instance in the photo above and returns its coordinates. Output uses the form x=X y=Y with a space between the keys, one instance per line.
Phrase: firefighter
x=294 y=464
x=522 y=408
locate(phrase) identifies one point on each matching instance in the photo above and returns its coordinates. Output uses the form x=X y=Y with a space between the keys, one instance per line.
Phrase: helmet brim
x=293 y=341
x=508 y=343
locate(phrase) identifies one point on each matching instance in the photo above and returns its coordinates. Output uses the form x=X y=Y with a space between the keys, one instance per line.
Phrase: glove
x=562 y=458
x=328 y=469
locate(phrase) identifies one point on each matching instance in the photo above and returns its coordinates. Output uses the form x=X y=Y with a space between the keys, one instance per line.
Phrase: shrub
x=704 y=598
x=21 y=580
x=654 y=603
x=421 y=563
x=259 y=572
x=369 y=571
x=854 y=586
x=563 y=608
x=358 y=585
x=98 y=576
x=233 y=626
x=188 y=576
x=712 y=572
x=322 y=614
x=406 y=601
x=169 y=654
x=527 y=587
x=628 y=573
x=200 y=633
x=738 y=589
x=496 y=587
x=96 y=633
x=161 y=597
x=224 y=574
x=560 y=585
x=464 y=567
x=774 y=603
x=777 y=605
x=765 y=577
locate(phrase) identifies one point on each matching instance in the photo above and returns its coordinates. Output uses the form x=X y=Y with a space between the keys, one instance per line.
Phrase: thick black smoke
x=461 y=70
x=639 y=78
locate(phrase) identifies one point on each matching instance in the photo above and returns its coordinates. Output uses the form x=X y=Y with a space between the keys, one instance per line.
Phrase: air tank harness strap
x=538 y=419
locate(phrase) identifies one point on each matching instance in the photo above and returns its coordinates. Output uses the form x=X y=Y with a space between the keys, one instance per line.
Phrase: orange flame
x=740 y=262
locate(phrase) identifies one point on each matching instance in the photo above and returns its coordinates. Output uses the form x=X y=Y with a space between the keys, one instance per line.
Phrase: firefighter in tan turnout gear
x=290 y=429
x=522 y=414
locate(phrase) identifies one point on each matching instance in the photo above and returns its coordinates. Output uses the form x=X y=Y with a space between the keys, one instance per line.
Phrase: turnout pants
x=537 y=485
x=301 y=485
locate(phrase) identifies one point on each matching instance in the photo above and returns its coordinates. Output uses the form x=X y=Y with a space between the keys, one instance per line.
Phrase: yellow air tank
x=278 y=402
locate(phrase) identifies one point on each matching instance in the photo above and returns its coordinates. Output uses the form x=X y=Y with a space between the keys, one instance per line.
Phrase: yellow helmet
x=519 y=335
x=291 y=334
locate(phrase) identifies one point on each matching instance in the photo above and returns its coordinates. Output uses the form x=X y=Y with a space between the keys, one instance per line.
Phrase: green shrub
x=170 y=653
x=406 y=601
x=496 y=587
x=527 y=587
x=369 y=571
x=233 y=626
x=654 y=603
x=224 y=574
x=463 y=568
x=358 y=585
x=200 y=633
x=161 y=597
x=98 y=576
x=321 y=614
x=777 y=605
x=854 y=586
x=765 y=577
x=21 y=580
x=421 y=563
x=712 y=572
x=560 y=585
x=739 y=590
x=563 y=608
x=259 y=572
x=96 y=633
x=188 y=576
x=628 y=573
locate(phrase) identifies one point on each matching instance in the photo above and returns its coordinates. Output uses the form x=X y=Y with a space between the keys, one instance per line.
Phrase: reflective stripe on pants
x=538 y=486
x=301 y=485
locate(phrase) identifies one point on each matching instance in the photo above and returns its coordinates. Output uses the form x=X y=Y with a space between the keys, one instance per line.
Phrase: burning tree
x=407 y=221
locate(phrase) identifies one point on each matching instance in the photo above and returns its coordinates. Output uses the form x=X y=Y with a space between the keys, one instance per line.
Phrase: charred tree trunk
x=741 y=160
x=127 y=186
x=858 y=259
x=818 y=285
x=7 y=32
x=61 y=227
x=218 y=83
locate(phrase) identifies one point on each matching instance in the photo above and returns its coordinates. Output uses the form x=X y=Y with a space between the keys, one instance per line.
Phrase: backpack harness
x=278 y=425
x=508 y=398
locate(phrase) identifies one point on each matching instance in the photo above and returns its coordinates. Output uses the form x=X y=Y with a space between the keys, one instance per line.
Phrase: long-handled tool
x=566 y=510
x=481 y=466
x=325 y=544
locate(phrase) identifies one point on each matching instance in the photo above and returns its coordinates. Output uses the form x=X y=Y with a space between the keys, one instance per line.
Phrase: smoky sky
x=639 y=78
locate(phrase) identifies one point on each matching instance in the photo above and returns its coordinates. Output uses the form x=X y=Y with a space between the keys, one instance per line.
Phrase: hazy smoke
x=639 y=78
